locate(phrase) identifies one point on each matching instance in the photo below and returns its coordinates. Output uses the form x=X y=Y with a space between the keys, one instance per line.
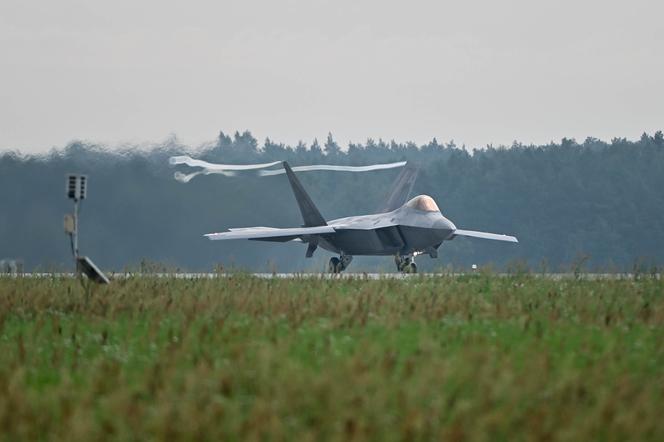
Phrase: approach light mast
x=76 y=188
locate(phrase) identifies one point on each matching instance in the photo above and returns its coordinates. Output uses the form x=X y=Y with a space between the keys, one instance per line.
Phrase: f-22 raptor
x=400 y=229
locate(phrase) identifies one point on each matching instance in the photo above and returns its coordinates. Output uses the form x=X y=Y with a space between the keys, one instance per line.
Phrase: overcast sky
x=477 y=72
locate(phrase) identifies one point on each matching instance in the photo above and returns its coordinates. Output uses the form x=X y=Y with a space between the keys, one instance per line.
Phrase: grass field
x=452 y=358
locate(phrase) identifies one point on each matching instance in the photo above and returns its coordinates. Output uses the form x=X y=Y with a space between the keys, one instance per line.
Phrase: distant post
x=76 y=188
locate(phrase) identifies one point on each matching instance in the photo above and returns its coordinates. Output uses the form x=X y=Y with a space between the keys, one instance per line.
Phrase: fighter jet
x=402 y=230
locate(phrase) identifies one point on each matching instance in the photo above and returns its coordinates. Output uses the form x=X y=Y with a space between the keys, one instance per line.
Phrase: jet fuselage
x=403 y=231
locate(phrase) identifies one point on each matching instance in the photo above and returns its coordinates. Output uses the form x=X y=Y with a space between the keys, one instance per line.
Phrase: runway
x=344 y=276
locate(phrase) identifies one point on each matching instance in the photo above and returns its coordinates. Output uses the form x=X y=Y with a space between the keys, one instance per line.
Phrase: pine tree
x=331 y=146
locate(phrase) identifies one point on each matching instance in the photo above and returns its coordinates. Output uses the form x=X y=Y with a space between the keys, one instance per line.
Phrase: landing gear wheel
x=399 y=262
x=335 y=265
x=338 y=265
x=405 y=264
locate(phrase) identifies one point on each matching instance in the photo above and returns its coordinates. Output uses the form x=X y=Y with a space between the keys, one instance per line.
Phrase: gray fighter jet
x=402 y=230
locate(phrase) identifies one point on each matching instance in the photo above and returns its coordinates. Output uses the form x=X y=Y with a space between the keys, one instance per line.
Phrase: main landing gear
x=338 y=265
x=406 y=264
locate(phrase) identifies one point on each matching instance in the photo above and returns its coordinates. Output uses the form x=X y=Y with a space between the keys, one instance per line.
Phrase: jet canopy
x=424 y=203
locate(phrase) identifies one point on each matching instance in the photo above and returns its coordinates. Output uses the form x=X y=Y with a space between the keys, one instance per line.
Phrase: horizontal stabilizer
x=269 y=232
x=485 y=235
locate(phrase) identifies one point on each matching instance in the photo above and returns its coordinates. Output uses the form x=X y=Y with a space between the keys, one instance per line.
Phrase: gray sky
x=477 y=72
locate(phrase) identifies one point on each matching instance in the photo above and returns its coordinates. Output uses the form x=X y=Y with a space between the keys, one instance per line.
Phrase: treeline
x=595 y=204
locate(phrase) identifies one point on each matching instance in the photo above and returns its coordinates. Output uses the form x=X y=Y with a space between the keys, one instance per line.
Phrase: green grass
x=452 y=358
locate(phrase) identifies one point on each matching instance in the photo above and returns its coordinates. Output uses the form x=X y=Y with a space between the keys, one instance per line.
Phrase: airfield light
x=76 y=188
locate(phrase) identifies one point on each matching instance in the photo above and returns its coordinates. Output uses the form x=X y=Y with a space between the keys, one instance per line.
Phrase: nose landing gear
x=406 y=264
x=338 y=265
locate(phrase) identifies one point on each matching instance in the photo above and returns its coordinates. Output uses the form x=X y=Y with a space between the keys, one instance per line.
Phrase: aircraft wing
x=485 y=235
x=270 y=233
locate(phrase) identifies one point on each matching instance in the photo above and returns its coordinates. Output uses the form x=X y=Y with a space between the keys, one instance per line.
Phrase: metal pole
x=76 y=229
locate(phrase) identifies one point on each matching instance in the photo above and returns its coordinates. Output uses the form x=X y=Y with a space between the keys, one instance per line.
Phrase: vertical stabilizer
x=401 y=189
x=310 y=213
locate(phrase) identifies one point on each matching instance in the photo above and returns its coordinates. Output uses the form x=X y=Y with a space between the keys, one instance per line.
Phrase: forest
x=591 y=205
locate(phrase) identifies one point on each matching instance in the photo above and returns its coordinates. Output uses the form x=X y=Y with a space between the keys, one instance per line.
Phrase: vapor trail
x=334 y=168
x=230 y=169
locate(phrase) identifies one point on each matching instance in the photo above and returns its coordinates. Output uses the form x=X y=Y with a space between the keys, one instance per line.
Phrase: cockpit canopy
x=424 y=203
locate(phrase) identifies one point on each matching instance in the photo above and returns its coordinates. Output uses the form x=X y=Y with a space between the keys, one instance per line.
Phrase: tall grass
x=454 y=358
